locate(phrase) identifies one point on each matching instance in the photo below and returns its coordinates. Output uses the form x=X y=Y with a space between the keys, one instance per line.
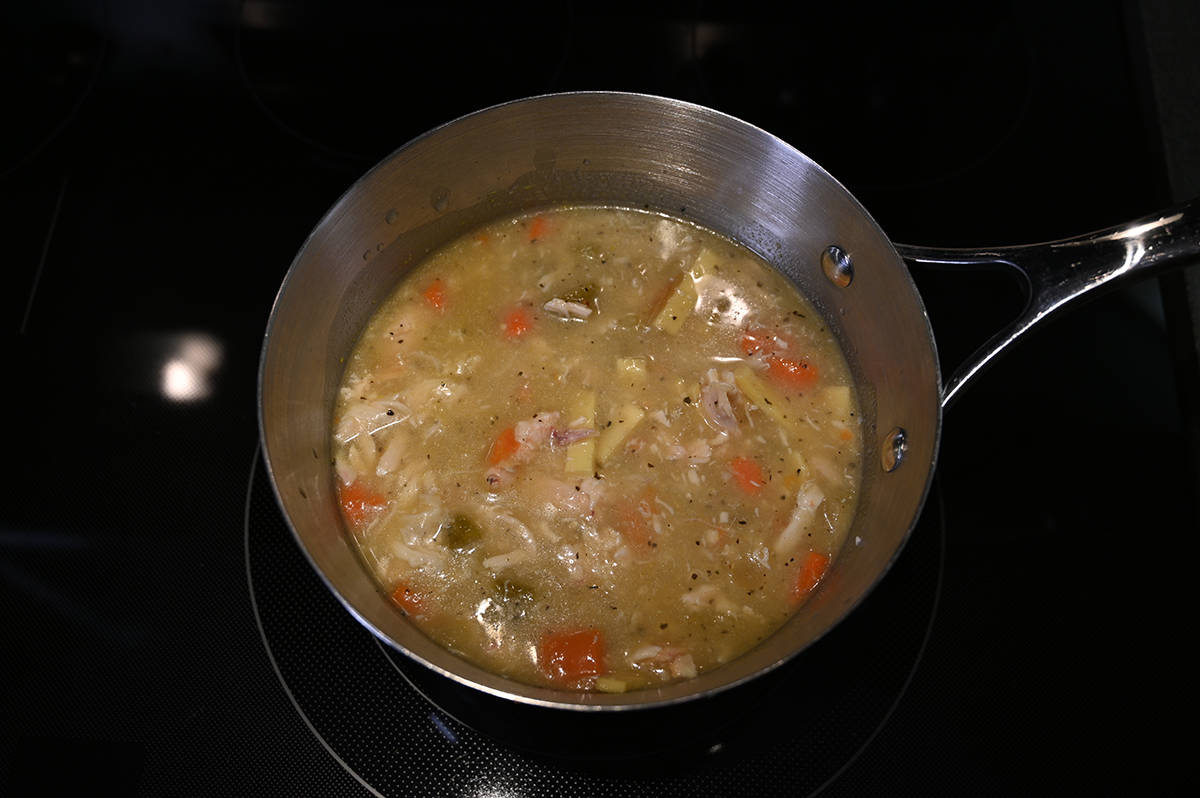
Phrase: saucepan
x=702 y=165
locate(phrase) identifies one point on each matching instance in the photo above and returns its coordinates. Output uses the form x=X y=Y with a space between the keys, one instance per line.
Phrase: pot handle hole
x=1056 y=274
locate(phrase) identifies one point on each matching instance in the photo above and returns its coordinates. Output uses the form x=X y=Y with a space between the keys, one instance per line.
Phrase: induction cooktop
x=160 y=167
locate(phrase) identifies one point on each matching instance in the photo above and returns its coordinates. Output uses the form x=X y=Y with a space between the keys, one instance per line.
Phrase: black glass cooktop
x=161 y=164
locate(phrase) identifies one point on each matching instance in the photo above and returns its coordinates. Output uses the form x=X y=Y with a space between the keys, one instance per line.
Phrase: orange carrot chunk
x=812 y=571
x=504 y=447
x=538 y=227
x=571 y=656
x=359 y=503
x=409 y=600
x=748 y=474
x=631 y=517
x=435 y=294
x=757 y=340
x=796 y=375
x=517 y=323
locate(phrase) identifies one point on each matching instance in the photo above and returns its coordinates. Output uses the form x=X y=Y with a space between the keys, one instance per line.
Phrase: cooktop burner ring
x=388 y=721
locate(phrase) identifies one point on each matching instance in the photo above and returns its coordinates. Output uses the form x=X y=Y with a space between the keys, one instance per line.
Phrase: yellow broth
x=597 y=448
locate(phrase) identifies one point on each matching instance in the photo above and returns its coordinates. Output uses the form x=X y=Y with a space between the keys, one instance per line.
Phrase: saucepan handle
x=1058 y=273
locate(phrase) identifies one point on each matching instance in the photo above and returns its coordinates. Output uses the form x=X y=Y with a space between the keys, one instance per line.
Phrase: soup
x=597 y=448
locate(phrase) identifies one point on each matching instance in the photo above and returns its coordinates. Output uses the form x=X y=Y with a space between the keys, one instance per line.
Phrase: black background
x=160 y=164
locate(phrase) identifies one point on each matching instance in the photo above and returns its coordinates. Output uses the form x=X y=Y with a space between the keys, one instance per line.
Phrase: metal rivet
x=837 y=266
x=895 y=447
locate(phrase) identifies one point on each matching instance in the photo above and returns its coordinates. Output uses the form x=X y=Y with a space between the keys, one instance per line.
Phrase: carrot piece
x=517 y=323
x=796 y=375
x=409 y=600
x=571 y=656
x=748 y=474
x=538 y=227
x=757 y=340
x=811 y=572
x=482 y=238
x=359 y=503
x=631 y=518
x=435 y=294
x=504 y=447
x=845 y=434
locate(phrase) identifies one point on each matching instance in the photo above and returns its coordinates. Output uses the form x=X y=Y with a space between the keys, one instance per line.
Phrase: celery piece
x=459 y=533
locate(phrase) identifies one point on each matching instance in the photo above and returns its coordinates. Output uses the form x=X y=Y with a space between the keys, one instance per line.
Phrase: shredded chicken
x=675 y=659
x=419 y=557
x=675 y=452
x=715 y=404
x=565 y=437
x=346 y=472
x=370 y=418
x=567 y=310
x=531 y=435
x=683 y=667
x=698 y=451
x=562 y=496
x=501 y=561
x=518 y=529
x=644 y=652
x=392 y=455
x=808 y=500
x=709 y=596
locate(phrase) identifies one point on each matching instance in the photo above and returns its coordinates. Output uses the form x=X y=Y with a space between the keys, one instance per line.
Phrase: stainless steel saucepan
x=702 y=165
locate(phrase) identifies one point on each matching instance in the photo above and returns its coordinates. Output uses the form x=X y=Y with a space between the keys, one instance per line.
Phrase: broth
x=597 y=448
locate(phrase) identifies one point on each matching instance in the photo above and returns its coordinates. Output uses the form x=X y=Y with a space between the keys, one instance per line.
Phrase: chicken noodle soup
x=597 y=448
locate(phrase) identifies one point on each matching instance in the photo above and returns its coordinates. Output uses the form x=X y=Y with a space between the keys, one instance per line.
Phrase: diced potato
x=633 y=368
x=581 y=455
x=766 y=398
x=705 y=260
x=608 y=684
x=618 y=430
x=582 y=412
x=685 y=389
x=837 y=399
x=679 y=305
